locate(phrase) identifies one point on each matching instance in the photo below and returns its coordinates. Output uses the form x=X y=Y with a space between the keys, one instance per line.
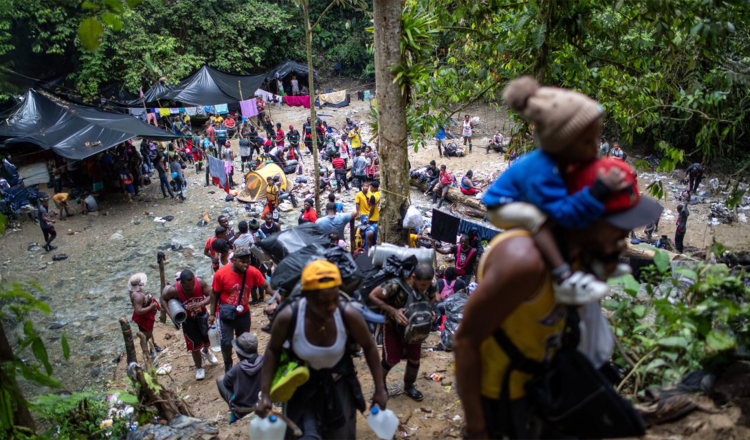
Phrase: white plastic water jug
x=383 y=422
x=214 y=338
x=270 y=428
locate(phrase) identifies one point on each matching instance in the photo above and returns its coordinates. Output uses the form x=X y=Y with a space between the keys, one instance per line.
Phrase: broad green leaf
x=628 y=283
x=540 y=35
x=89 y=32
x=89 y=5
x=33 y=374
x=639 y=311
x=661 y=260
x=3 y=222
x=112 y=21
x=40 y=352
x=687 y=273
x=65 y=346
x=673 y=342
x=115 y=6
x=656 y=363
x=128 y=398
x=720 y=341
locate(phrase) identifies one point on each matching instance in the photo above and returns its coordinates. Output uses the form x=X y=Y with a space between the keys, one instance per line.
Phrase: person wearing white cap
x=145 y=307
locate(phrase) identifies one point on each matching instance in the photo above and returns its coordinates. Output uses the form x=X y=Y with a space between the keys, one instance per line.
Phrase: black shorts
x=195 y=329
x=245 y=158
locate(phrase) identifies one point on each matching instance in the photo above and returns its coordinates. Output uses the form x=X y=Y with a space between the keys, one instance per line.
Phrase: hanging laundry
x=222 y=109
x=297 y=101
x=444 y=226
x=367 y=95
x=174 y=111
x=200 y=110
x=138 y=111
x=182 y=109
x=209 y=109
x=191 y=111
x=249 y=108
x=164 y=111
x=267 y=96
x=217 y=172
x=333 y=97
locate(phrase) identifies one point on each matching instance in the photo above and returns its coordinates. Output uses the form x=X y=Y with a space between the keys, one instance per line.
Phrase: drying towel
x=174 y=111
x=483 y=233
x=367 y=95
x=222 y=109
x=182 y=109
x=216 y=169
x=151 y=118
x=249 y=108
x=333 y=97
x=191 y=111
x=163 y=112
x=267 y=96
x=138 y=111
x=297 y=101
x=444 y=226
x=209 y=109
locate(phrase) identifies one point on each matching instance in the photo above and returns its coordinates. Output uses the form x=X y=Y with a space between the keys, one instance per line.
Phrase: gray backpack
x=418 y=314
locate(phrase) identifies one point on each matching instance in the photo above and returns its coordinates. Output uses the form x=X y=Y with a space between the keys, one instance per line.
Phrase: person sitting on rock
x=467 y=185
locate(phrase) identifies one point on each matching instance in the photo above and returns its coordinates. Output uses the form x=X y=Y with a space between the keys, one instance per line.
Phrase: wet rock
x=34 y=247
x=88 y=339
x=95 y=372
x=57 y=325
x=182 y=427
x=116 y=236
x=91 y=318
x=59 y=257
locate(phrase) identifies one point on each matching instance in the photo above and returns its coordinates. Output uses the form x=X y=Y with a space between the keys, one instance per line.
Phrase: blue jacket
x=534 y=178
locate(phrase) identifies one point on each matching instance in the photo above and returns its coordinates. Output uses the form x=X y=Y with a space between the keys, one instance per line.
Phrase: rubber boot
x=434 y=196
x=442 y=199
x=410 y=377
x=226 y=353
x=469 y=147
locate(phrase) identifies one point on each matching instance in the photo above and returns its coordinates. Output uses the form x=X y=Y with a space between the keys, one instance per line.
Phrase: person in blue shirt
x=339 y=205
x=567 y=128
x=440 y=140
x=333 y=222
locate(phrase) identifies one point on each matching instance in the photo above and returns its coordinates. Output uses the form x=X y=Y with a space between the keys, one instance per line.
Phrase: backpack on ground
x=418 y=314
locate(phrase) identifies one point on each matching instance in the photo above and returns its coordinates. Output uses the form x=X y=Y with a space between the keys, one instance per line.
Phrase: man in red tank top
x=194 y=294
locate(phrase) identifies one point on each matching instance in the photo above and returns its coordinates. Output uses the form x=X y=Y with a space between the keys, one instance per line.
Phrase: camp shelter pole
x=310 y=75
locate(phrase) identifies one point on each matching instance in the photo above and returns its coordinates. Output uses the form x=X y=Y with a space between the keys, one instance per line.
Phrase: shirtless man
x=145 y=307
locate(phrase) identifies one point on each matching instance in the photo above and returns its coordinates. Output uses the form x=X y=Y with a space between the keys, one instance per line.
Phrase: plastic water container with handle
x=270 y=428
x=383 y=422
x=214 y=338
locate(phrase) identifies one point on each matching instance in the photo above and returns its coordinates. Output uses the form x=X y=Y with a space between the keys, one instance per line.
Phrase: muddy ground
x=87 y=292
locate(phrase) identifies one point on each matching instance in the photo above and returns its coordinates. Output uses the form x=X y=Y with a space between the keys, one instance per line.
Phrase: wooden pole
x=127 y=335
x=311 y=87
x=161 y=259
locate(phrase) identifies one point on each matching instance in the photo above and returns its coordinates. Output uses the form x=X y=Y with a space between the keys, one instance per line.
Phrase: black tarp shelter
x=73 y=131
x=206 y=86
x=284 y=71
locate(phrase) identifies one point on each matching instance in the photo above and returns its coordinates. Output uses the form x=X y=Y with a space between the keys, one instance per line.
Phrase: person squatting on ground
x=231 y=289
x=396 y=298
x=695 y=174
x=316 y=328
x=516 y=296
x=532 y=195
x=145 y=307
x=194 y=294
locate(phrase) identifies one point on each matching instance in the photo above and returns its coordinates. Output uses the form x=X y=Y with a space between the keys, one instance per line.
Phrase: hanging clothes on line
x=217 y=172
x=297 y=101
x=164 y=111
x=249 y=108
x=191 y=111
x=221 y=109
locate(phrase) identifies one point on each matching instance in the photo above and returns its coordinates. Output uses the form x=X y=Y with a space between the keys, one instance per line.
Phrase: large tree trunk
x=311 y=87
x=21 y=414
x=392 y=132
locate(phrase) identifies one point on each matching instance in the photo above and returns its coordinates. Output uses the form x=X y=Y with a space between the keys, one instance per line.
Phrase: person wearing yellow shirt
x=362 y=201
x=217 y=120
x=61 y=201
x=355 y=138
x=374 y=202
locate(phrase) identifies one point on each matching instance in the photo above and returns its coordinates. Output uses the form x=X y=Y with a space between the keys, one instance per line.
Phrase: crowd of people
x=525 y=290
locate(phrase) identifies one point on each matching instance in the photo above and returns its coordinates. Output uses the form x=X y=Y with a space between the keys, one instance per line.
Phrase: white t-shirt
x=467 y=129
x=295 y=84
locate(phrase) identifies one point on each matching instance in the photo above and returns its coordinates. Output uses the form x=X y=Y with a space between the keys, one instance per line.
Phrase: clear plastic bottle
x=270 y=428
x=383 y=422
x=214 y=338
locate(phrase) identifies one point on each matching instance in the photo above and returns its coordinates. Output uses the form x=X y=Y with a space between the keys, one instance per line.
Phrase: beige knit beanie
x=558 y=115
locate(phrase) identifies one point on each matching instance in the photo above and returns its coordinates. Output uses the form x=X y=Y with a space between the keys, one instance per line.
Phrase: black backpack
x=418 y=314
x=568 y=393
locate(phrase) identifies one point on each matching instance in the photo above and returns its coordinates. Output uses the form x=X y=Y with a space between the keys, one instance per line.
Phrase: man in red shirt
x=208 y=250
x=339 y=168
x=230 y=292
x=309 y=215
x=194 y=294
x=280 y=136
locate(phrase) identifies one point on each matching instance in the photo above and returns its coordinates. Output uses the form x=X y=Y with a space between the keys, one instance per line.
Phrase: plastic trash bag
x=289 y=270
x=453 y=307
x=351 y=276
x=413 y=218
x=283 y=243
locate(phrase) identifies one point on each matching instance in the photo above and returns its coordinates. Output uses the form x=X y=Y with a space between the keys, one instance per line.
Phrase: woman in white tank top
x=317 y=327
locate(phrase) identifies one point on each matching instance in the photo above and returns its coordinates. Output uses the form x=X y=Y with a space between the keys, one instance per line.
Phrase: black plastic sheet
x=71 y=130
x=283 y=243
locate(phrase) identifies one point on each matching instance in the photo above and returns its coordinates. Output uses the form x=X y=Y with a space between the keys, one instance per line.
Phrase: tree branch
x=475 y=98
x=330 y=5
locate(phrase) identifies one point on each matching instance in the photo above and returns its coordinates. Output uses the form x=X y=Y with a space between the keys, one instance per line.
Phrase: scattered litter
x=59 y=257
x=160 y=220
x=164 y=369
x=447 y=389
x=169 y=218
x=229 y=198
x=436 y=377
x=456 y=418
